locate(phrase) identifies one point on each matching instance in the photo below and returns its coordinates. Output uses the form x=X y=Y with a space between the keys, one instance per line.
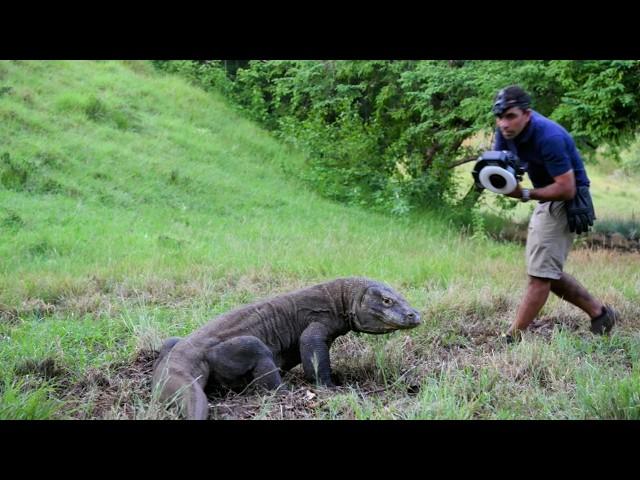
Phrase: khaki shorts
x=548 y=241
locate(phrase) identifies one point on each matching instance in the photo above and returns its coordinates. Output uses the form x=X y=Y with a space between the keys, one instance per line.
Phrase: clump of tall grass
x=607 y=394
x=627 y=227
x=21 y=400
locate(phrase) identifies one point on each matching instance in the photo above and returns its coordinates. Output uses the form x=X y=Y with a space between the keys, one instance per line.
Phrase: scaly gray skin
x=253 y=343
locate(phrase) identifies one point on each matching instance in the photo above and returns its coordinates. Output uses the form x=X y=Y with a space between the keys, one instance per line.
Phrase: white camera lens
x=497 y=179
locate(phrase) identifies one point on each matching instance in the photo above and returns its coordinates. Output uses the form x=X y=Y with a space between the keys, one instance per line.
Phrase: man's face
x=513 y=121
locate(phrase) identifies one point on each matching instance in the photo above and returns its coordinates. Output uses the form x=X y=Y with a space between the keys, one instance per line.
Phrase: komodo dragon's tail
x=188 y=393
x=171 y=385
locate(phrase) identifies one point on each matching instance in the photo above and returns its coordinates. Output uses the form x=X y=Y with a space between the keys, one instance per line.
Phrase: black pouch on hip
x=580 y=212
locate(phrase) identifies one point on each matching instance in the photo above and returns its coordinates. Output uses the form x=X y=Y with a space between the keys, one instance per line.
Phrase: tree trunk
x=471 y=197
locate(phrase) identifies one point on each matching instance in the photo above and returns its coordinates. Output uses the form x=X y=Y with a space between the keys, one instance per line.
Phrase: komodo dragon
x=253 y=343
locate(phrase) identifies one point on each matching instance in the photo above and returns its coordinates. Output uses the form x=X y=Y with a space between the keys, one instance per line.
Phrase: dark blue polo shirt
x=546 y=150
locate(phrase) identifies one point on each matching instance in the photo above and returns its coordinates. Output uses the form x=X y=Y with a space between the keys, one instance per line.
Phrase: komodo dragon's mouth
x=397 y=326
x=400 y=327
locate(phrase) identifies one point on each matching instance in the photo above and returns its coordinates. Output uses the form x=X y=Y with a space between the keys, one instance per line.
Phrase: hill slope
x=114 y=171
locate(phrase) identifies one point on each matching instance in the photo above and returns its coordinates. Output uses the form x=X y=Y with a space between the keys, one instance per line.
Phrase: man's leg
x=548 y=245
x=603 y=317
x=534 y=299
x=569 y=289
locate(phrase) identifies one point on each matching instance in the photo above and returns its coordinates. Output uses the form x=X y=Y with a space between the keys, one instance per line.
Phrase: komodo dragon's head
x=383 y=310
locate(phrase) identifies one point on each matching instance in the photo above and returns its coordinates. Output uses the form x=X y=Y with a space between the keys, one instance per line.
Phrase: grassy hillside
x=134 y=206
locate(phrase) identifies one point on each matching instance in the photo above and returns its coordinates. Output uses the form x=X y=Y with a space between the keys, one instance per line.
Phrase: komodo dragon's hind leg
x=239 y=357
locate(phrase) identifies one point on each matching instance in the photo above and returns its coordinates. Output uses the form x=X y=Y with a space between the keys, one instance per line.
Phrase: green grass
x=610 y=395
x=20 y=402
x=134 y=206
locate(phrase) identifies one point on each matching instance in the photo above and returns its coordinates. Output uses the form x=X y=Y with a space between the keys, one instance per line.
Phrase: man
x=548 y=154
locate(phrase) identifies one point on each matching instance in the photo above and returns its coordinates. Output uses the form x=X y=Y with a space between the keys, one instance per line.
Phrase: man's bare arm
x=563 y=188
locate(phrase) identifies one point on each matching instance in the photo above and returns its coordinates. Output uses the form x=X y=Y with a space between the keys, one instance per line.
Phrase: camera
x=498 y=171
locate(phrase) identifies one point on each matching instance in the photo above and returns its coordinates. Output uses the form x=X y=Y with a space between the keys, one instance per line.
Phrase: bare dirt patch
x=103 y=391
x=594 y=240
x=46 y=369
x=30 y=307
x=124 y=388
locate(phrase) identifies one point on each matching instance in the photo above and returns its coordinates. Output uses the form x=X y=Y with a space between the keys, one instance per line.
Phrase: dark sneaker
x=509 y=339
x=604 y=322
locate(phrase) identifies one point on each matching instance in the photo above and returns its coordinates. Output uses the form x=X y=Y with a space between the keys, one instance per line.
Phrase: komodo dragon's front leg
x=315 y=342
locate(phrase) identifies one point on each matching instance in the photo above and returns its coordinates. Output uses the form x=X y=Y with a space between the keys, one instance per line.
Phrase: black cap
x=513 y=96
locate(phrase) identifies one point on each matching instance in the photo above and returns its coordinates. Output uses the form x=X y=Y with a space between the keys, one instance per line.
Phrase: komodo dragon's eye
x=387 y=302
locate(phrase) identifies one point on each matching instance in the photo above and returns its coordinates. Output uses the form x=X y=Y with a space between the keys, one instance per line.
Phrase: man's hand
x=516 y=193
x=580 y=212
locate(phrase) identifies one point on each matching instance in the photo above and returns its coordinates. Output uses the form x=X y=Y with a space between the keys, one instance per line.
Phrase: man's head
x=511 y=108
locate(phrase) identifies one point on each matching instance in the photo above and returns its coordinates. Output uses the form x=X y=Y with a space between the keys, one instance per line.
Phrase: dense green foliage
x=388 y=133
x=631 y=158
